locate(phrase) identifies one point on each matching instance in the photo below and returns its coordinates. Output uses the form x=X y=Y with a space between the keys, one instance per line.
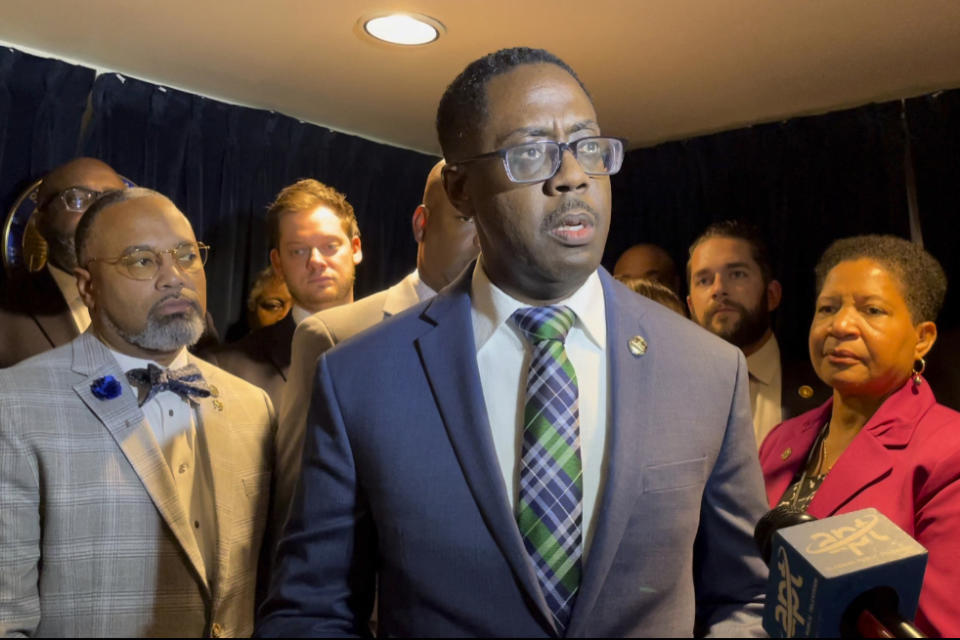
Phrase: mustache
x=175 y=296
x=713 y=308
x=555 y=217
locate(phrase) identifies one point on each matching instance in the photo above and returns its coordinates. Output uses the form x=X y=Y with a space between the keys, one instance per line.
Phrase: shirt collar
x=128 y=362
x=299 y=314
x=764 y=362
x=422 y=288
x=492 y=307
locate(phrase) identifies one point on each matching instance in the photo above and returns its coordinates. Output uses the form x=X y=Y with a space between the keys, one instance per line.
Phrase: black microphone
x=856 y=575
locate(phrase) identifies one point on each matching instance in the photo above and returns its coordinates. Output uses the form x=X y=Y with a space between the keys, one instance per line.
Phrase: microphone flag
x=817 y=570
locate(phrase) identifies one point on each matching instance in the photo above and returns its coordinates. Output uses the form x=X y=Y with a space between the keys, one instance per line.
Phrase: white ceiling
x=658 y=69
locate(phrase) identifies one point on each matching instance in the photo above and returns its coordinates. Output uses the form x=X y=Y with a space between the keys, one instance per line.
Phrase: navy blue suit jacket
x=400 y=484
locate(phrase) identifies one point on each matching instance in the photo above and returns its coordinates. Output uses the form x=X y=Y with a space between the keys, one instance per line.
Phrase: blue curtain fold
x=934 y=122
x=804 y=182
x=42 y=102
x=223 y=164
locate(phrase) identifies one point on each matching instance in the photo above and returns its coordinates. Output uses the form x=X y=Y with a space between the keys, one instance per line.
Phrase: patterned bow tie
x=187 y=382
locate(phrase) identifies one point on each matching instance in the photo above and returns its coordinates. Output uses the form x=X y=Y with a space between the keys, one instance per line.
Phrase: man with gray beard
x=134 y=477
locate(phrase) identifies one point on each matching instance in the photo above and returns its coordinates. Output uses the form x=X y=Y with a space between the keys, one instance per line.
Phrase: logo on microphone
x=787 y=612
x=847 y=538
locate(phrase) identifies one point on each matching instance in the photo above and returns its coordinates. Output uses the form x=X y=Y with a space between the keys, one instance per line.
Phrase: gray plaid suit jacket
x=93 y=538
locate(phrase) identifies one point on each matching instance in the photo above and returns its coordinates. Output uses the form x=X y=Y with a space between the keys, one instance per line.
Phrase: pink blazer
x=905 y=462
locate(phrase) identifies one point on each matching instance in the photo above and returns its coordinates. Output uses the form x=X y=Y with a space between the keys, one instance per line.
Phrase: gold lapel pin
x=786 y=453
x=638 y=345
x=217 y=405
x=805 y=391
x=214 y=391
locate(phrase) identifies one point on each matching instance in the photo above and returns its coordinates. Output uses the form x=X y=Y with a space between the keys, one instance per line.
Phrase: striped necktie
x=550 y=505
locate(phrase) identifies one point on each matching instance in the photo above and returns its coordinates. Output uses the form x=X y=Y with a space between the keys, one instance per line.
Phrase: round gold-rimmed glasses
x=141 y=263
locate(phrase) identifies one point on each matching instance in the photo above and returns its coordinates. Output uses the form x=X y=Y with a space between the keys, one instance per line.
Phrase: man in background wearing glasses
x=134 y=477
x=43 y=310
x=537 y=451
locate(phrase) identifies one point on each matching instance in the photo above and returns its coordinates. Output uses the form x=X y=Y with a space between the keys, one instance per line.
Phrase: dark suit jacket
x=401 y=481
x=801 y=390
x=262 y=357
x=34 y=317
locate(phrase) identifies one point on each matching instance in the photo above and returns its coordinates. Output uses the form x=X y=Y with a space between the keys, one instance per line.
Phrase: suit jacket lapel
x=125 y=422
x=450 y=363
x=867 y=458
x=628 y=416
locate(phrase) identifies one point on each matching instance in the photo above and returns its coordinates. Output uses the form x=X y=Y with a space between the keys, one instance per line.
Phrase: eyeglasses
x=76 y=199
x=538 y=161
x=144 y=264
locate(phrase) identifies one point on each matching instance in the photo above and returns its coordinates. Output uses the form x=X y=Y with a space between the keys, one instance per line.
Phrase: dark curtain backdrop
x=41 y=107
x=223 y=165
x=804 y=181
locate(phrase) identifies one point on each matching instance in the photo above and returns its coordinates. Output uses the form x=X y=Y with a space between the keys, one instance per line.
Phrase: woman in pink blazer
x=882 y=441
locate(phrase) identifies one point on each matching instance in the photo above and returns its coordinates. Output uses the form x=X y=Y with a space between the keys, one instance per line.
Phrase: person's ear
x=85 y=286
x=926 y=337
x=419 y=222
x=275 y=262
x=455 y=184
x=693 y=316
x=357 y=250
x=774 y=294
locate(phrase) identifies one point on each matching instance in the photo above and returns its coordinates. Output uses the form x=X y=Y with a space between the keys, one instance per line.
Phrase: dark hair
x=655 y=291
x=921 y=277
x=740 y=230
x=82 y=235
x=309 y=194
x=463 y=107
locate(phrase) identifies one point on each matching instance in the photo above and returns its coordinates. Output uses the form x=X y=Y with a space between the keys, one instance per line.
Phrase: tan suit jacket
x=94 y=539
x=314 y=336
x=262 y=357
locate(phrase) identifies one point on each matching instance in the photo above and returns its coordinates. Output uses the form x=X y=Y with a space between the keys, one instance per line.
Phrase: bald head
x=447 y=238
x=57 y=218
x=142 y=276
x=650 y=262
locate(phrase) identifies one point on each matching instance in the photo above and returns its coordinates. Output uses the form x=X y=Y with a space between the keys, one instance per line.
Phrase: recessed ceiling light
x=403 y=28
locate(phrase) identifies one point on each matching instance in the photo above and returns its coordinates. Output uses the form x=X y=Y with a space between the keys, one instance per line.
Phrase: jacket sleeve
x=19 y=534
x=729 y=576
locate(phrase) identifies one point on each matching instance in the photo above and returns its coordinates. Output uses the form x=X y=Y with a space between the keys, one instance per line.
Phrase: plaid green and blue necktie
x=550 y=505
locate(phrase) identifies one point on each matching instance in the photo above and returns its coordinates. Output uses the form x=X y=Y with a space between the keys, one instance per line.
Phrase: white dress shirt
x=766 y=380
x=299 y=314
x=67 y=284
x=424 y=292
x=173 y=421
x=503 y=357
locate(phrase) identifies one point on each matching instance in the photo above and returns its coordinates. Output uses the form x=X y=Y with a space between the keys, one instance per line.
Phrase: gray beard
x=167 y=334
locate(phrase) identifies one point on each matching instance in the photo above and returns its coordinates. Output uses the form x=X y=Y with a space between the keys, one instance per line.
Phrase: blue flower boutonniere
x=106 y=388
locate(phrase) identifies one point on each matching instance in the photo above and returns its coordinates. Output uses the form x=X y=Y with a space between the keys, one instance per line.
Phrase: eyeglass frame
x=202 y=248
x=59 y=195
x=563 y=146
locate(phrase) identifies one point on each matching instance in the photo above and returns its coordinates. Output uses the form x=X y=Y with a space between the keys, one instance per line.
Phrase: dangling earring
x=917 y=380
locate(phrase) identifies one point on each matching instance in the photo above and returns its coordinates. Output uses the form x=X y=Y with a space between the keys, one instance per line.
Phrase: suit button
x=216 y=630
